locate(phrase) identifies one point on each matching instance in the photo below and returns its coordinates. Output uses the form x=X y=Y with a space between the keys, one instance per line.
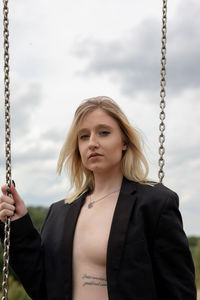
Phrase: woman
x=118 y=236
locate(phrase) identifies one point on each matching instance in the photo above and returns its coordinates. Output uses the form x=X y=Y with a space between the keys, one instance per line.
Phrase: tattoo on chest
x=92 y=280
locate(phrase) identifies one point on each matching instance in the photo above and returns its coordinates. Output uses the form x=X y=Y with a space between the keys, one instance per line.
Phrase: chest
x=92 y=233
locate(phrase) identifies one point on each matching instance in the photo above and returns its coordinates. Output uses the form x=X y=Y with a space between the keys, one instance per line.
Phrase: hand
x=12 y=205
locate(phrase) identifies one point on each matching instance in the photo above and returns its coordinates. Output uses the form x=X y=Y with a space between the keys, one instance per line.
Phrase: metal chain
x=7 y=148
x=161 y=161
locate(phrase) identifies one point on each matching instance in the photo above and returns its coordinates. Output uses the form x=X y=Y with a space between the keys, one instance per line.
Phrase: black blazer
x=148 y=256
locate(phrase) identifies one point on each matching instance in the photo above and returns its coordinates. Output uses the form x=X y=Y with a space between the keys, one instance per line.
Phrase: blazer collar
x=119 y=226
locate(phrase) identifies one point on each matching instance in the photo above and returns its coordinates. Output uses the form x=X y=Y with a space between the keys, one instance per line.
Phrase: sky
x=62 y=53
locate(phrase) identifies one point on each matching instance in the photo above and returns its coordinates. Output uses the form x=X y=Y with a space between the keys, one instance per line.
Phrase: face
x=100 y=142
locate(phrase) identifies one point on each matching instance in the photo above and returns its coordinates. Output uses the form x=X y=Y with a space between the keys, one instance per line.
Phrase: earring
x=124 y=147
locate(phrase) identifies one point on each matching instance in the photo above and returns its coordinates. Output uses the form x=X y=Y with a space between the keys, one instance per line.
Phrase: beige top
x=90 y=249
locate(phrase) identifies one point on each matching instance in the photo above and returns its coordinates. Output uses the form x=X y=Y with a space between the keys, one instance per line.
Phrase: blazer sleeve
x=174 y=268
x=26 y=256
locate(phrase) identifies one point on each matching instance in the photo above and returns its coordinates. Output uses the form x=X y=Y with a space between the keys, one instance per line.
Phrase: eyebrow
x=97 y=127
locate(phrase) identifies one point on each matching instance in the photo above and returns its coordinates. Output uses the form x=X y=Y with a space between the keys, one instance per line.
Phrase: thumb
x=21 y=209
x=16 y=197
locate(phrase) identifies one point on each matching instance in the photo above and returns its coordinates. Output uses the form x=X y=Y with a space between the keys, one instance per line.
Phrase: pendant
x=90 y=205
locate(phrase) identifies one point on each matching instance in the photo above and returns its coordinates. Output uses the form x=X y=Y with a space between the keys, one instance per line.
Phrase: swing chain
x=7 y=148
x=161 y=161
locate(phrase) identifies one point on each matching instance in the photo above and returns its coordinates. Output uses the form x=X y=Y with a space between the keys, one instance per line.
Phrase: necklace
x=90 y=205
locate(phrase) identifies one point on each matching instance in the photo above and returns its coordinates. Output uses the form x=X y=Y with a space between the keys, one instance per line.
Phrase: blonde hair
x=134 y=165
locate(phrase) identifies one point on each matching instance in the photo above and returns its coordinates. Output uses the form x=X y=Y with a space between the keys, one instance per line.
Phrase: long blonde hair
x=134 y=165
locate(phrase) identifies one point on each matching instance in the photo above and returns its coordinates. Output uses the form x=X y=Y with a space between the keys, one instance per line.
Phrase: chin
x=97 y=169
x=102 y=169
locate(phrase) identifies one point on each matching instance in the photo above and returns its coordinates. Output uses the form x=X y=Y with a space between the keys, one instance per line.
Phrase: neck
x=107 y=183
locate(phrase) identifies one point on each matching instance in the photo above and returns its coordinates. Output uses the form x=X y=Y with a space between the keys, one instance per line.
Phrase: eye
x=104 y=132
x=84 y=136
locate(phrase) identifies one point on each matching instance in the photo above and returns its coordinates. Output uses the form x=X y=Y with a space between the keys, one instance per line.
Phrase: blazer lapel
x=118 y=231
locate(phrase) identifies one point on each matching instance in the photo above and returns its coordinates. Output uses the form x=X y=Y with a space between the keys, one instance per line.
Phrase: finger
x=6 y=213
x=4 y=189
x=7 y=189
x=6 y=206
x=8 y=192
x=15 y=195
x=6 y=199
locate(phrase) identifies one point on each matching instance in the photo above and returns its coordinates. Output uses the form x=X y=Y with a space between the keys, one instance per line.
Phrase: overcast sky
x=64 y=52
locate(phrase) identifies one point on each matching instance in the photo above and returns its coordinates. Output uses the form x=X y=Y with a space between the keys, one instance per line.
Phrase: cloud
x=123 y=60
x=133 y=61
x=38 y=150
x=38 y=183
x=184 y=47
x=53 y=135
x=23 y=104
x=23 y=107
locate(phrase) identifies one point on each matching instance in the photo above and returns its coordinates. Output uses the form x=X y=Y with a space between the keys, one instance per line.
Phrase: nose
x=93 y=142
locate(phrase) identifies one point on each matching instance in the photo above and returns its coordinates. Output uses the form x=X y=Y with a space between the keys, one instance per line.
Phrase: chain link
x=161 y=151
x=7 y=148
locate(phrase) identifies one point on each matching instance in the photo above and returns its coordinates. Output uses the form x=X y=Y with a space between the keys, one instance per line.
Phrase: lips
x=94 y=155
